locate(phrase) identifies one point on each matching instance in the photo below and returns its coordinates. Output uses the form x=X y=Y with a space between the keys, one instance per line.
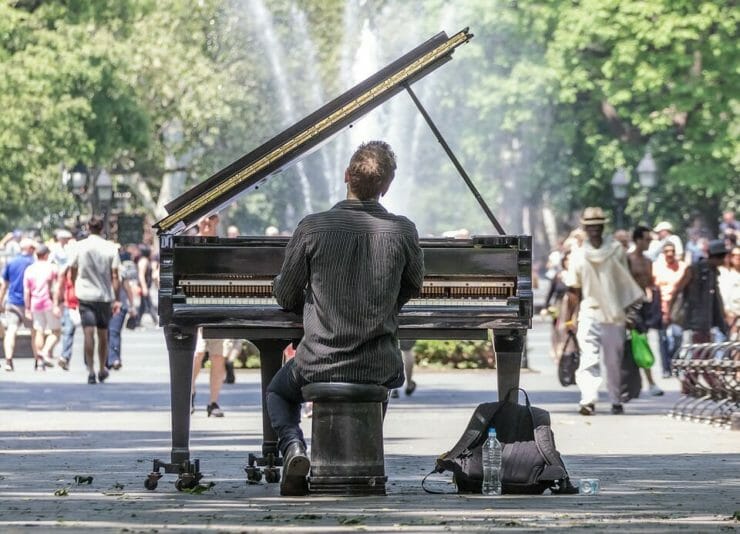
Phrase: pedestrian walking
x=667 y=273
x=42 y=306
x=70 y=315
x=95 y=263
x=703 y=306
x=641 y=269
x=118 y=319
x=664 y=231
x=729 y=285
x=601 y=289
x=15 y=308
x=216 y=349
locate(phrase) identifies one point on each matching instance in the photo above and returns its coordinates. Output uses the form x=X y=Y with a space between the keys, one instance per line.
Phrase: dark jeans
x=670 y=341
x=284 y=398
x=146 y=306
x=68 y=335
x=114 y=336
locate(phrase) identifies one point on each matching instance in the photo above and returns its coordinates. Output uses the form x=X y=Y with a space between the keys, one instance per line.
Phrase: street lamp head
x=104 y=187
x=78 y=179
x=647 y=170
x=620 y=182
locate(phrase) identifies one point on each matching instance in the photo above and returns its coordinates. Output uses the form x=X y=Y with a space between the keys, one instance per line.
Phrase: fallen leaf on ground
x=200 y=488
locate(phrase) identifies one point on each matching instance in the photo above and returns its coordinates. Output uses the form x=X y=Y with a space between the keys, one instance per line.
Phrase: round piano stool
x=347 y=438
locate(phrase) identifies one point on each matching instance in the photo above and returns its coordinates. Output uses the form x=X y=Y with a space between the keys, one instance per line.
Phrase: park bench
x=710 y=383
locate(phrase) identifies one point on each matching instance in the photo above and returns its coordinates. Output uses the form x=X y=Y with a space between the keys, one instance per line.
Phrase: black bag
x=569 y=361
x=530 y=462
x=631 y=382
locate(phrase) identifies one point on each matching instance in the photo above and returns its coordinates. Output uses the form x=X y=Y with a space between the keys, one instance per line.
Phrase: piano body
x=224 y=285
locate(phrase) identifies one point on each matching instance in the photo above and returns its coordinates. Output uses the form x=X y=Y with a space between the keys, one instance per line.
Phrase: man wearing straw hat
x=601 y=289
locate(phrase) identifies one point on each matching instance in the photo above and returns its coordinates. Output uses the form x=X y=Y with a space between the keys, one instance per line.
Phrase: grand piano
x=474 y=288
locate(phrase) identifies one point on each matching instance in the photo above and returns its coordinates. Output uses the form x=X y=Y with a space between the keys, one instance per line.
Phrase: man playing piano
x=348 y=270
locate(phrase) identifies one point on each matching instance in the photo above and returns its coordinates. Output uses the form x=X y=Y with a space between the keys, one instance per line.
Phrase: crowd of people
x=601 y=288
x=72 y=281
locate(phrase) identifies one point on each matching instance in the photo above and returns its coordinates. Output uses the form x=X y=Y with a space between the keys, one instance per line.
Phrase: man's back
x=13 y=276
x=94 y=258
x=361 y=265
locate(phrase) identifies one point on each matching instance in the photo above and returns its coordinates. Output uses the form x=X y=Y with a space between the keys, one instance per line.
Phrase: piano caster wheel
x=151 y=481
x=272 y=475
x=254 y=475
x=186 y=481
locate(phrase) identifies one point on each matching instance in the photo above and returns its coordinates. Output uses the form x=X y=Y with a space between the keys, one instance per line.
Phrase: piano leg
x=509 y=346
x=271 y=360
x=180 y=346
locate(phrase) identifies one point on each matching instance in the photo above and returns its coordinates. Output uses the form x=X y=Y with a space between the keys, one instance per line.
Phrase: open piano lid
x=254 y=168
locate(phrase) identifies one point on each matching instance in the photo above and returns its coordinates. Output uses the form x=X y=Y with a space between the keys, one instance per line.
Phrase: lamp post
x=646 y=173
x=76 y=182
x=620 y=183
x=104 y=194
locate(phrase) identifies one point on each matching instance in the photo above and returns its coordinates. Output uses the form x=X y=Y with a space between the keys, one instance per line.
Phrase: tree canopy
x=544 y=104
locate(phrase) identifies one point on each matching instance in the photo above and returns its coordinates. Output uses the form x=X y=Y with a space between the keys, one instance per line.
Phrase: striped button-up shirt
x=349 y=270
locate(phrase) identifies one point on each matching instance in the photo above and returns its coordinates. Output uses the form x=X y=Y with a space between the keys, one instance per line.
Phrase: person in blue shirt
x=12 y=286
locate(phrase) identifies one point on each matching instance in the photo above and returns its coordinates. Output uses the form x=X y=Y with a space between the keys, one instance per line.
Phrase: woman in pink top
x=37 y=286
x=667 y=272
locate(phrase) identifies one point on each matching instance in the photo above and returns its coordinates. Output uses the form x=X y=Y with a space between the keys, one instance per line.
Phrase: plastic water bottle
x=491 y=464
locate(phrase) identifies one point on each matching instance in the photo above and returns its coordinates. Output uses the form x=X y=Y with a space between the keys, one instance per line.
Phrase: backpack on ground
x=530 y=462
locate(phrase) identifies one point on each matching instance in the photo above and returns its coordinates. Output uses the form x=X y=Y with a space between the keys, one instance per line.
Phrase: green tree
x=659 y=75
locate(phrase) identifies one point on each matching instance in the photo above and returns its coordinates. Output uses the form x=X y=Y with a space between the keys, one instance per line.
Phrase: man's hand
x=56 y=310
x=115 y=307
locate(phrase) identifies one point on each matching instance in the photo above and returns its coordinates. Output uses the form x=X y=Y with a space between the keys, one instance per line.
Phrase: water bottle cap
x=491 y=431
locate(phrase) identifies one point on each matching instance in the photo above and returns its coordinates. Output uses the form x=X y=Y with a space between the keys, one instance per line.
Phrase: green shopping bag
x=641 y=352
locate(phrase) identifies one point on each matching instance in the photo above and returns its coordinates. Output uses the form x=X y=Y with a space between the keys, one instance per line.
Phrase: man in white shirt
x=94 y=263
x=601 y=288
x=664 y=230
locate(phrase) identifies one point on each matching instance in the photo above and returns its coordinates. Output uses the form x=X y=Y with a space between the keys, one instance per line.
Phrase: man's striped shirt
x=350 y=269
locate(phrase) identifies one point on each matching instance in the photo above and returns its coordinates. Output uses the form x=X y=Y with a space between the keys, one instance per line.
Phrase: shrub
x=455 y=354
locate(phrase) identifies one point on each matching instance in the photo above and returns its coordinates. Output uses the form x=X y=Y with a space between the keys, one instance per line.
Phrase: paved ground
x=657 y=474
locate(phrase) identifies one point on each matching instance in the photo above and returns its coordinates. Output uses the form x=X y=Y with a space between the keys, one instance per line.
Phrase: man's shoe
x=587 y=409
x=116 y=365
x=666 y=374
x=102 y=375
x=655 y=391
x=295 y=469
x=8 y=366
x=48 y=360
x=230 y=377
x=617 y=409
x=394 y=394
x=91 y=379
x=410 y=387
x=63 y=363
x=214 y=410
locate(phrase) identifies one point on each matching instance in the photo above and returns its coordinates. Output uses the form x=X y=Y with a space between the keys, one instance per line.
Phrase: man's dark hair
x=639 y=232
x=95 y=225
x=371 y=169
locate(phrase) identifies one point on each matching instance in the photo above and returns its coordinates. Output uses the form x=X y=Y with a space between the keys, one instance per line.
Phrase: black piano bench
x=347 y=438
